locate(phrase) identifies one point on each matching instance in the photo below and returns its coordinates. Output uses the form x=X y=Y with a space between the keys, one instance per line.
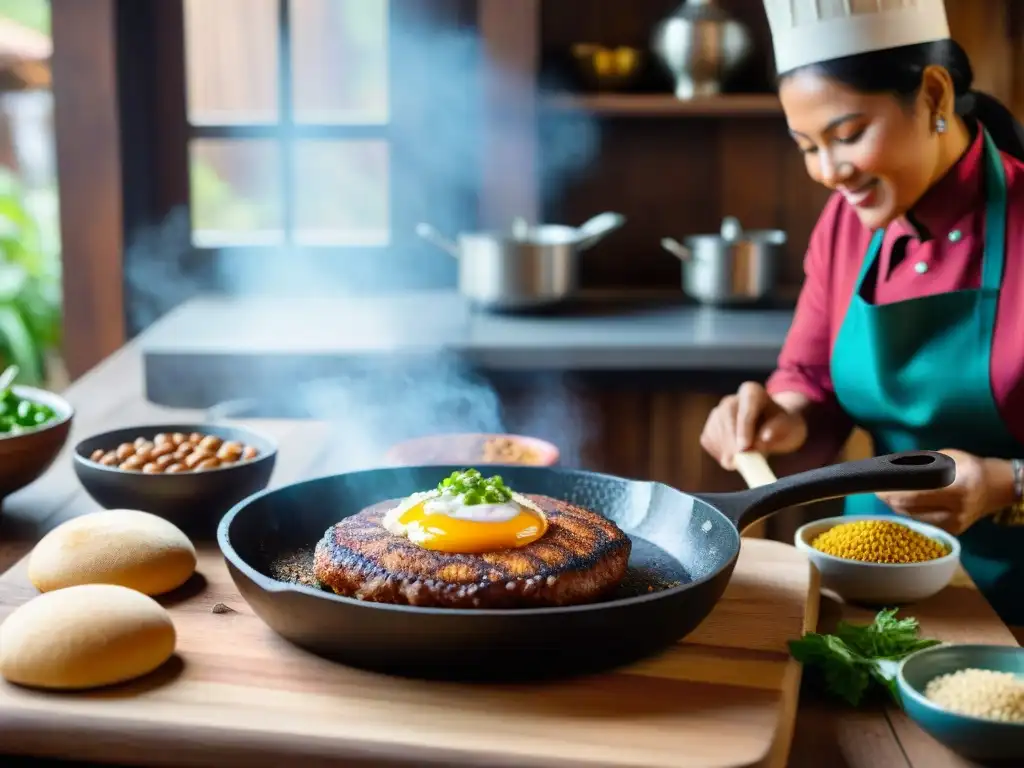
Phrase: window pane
x=340 y=61
x=341 y=192
x=231 y=52
x=235 y=185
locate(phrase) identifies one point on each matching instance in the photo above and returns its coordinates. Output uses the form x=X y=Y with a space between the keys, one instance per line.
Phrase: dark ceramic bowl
x=25 y=456
x=987 y=741
x=194 y=501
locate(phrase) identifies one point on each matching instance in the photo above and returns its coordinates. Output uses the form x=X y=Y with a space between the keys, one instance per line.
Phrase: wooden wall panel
x=663 y=176
x=89 y=179
x=509 y=32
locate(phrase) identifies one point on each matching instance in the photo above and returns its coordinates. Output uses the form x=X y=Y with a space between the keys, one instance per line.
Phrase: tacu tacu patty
x=581 y=558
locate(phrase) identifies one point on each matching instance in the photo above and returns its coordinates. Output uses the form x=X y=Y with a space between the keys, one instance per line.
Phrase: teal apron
x=915 y=376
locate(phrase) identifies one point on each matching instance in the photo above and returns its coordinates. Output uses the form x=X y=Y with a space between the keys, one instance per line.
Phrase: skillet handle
x=908 y=471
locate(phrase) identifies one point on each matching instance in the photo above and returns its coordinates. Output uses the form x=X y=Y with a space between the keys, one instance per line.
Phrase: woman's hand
x=751 y=420
x=982 y=487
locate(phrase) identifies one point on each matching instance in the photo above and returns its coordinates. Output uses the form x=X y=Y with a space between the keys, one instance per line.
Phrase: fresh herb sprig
x=857 y=655
x=475 y=488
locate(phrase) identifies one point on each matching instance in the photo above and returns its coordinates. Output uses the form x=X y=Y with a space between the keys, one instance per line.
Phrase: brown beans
x=173 y=453
x=229 y=451
x=131 y=463
x=162 y=449
x=210 y=443
x=193 y=459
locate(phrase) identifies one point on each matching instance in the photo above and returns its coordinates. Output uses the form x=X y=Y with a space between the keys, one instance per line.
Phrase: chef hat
x=808 y=31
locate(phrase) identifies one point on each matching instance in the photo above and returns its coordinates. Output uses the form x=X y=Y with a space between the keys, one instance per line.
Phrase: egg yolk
x=449 y=534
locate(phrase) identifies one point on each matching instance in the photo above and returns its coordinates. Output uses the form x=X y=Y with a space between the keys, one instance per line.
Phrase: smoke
x=385 y=398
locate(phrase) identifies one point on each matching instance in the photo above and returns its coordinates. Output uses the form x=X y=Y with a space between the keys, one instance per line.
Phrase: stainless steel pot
x=733 y=267
x=524 y=268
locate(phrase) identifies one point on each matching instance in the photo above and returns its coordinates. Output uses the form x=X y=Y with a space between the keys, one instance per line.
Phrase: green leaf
x=846 y=674
x=19 y=346
x=858 y=657
x=12 y=282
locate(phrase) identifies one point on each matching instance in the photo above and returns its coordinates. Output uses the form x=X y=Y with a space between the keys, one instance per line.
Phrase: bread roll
x=85 y=637
x=116 y=546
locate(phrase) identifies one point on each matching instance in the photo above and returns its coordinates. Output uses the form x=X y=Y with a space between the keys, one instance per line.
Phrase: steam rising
x=378 y=402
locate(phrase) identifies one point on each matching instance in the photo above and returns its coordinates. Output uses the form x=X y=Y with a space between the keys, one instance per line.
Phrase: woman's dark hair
x=899 y=70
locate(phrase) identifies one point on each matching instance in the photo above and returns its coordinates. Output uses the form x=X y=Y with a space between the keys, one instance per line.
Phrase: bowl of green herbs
x=34 y=426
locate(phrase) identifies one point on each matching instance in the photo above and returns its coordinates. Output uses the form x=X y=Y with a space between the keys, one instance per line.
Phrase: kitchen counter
x=826 y=734
x=276 y=338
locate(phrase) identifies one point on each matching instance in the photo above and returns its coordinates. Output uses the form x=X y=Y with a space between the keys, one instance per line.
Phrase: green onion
x=17 y=414
x=475 y=488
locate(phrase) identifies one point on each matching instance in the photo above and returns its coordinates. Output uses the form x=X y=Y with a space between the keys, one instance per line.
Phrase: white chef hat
x=809 y=31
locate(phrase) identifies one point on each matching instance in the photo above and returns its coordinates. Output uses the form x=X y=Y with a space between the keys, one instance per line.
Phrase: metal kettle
x=701 y=45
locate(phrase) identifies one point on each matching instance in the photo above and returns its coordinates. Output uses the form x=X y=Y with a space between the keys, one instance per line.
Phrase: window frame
x=155 y=135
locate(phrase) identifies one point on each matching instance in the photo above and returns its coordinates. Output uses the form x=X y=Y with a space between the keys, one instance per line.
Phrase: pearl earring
x=940 y=124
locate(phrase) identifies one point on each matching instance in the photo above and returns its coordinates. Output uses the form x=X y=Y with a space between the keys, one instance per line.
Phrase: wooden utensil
x=753 y=468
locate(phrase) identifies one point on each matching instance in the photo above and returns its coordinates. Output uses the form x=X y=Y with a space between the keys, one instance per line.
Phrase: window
x=288 y=109
x=291 y=146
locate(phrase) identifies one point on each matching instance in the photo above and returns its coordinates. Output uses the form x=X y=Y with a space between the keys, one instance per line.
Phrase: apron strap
x=874 y=248
x=995 y=217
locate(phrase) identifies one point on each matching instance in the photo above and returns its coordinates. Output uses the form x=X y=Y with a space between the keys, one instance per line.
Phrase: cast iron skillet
x=677 y=537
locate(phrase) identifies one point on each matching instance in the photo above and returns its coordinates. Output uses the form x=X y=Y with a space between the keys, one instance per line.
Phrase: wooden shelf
x=664 y=105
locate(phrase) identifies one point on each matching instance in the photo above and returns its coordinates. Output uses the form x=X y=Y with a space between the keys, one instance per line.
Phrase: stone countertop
x=594 y=335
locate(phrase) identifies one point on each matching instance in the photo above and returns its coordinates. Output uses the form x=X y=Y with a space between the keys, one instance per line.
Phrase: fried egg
x=444 y=522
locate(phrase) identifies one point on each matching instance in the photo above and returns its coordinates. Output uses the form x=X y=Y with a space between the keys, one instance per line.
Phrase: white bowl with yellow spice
x=880 y=560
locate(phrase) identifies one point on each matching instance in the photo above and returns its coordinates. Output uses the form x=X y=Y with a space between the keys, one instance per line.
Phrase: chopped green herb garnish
x=475 y=488
x=857 y=655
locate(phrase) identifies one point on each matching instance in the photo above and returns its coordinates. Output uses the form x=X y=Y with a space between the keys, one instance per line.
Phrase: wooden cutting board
x=237 y=694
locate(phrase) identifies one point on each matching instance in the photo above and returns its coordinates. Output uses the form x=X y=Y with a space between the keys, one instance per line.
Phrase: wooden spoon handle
x=754 y=469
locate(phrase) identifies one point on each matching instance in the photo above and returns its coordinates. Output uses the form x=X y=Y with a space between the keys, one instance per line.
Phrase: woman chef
x=910 y=323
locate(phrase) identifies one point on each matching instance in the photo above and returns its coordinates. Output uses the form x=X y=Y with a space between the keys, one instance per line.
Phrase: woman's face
x=875 y=151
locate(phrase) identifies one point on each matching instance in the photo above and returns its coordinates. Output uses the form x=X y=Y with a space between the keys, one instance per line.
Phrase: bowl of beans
x=880 y=560
x=188 y=474
x=34 y=425
x=969 y=697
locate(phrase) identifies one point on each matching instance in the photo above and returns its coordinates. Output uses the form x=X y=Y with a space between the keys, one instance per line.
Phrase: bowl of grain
x=880 y=560
x=969 y=697
x=474 y=449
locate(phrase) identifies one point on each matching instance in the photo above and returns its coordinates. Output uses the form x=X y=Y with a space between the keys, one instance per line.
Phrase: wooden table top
x=826 y=734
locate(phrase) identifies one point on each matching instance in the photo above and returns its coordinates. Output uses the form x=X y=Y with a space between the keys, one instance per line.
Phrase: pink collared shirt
x=944 y=256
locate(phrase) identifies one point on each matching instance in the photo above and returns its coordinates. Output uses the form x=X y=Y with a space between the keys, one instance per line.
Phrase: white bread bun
x=115 y=546
x=85 y=637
